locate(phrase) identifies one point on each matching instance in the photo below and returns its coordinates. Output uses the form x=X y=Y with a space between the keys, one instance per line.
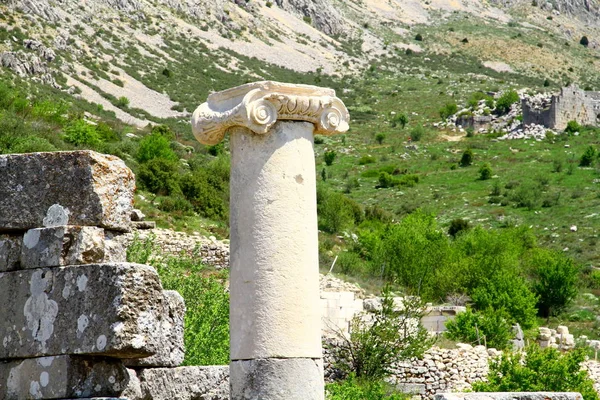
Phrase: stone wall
x=556 y=111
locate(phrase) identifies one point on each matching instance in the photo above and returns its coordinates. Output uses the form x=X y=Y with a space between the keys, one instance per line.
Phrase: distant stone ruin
x=554 y=112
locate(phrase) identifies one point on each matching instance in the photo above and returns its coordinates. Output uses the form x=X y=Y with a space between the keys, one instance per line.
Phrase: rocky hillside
x=147 y=60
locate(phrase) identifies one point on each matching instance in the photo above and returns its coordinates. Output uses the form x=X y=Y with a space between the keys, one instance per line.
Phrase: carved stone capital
x=257 y=106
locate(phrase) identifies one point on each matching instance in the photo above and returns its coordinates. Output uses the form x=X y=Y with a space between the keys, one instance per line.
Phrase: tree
x=588 y=157
x=485 y=172
x=486 y=327
x=380 y=137
x=506 y=101
x=555 y=278
x=584 y=41
x=539 y=370
x=375 y=344
x=401 y=119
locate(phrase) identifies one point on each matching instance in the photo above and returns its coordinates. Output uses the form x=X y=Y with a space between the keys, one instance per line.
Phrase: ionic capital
x=257 y=106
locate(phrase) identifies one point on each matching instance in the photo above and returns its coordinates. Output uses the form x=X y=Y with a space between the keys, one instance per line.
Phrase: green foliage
x=584 y=41
x=159 y=176
x=366 y=160
x=80 y=133
x=457 y=226
x=154 y=146
x=167 y=72
x=572 y=127
x=506 y=101
x=355 y=389
x=485 y=327
x=207 y=189
x=122 y=102
x=448 y=110
x=417 y=132
x=555 y=280
x=380 y=137
x=419 y=37
x=466 y=158
x=336 y=212
x=374 y=346
x=588 y=157
x=485 y=172
x=539 y=370
x=329 y=157
x=400 y=119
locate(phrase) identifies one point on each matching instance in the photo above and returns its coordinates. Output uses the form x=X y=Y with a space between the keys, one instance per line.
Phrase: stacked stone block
x=74 y=314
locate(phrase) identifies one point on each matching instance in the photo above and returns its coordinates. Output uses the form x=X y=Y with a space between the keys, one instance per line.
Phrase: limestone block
x=65 y=188
x=544 y=334
x=277 y=379
x=10 y=250
x=172 y=350
x=61 y=376
x=96 y=309
x=562 y=330
x=62 y=245
x=181 y=383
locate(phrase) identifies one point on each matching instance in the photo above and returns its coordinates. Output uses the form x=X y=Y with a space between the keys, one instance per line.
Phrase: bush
x=373 y=347
x=506 y=101
x=584 y=41
x=401 y=119
x=159 y=176
x=448 y=110
x=386 y=180
x=207 y=189
x=485 y=172
x=350 y=263
x=355 y=389
x=588 y=157
x=336 y=212
x=487 y=327
x=467 y=158
x=175 y=204
x=154 y=146
x=80 y=133
x=380 y=137
x=122 y=102
x=167 y=72
x=539 y=370
x=457 y=226
x=417 y=132
x=572 y=127
x=329 y=156
x=419 y=37
x=366 y=160
x=555 y=281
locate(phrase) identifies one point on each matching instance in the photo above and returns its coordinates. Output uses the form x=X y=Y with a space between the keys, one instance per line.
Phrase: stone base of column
x=277 y=379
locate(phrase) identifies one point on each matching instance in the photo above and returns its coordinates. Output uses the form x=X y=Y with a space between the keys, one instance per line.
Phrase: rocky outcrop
x=321 y=12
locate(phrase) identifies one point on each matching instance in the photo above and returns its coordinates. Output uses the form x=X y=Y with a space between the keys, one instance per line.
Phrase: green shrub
x=448 y=110
x=528 y=196
x=572 y=127
x=31 y=144
x=207 y=192
x=380 y=137
x=401 y=119
x=486 y=327
x=457 y=226
x=154 y=146
x=373 y=347
x=555 y=280
x=466 y=158
x=485 y=172
x=584 y=41
x=366 y=160
x=588 y=157
x=419 y=37
x=80 y=133
x=539 y=370
x=122 y=102
x=336 y=212
x=174 y=204
x=159 y=176
x=506 y=101
x=328 y=157
x=386 y=180
x=355 y=389
x=417 y=132
x=350 y=263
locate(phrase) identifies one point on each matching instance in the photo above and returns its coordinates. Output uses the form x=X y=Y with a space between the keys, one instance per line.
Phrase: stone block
x=62 y=376
x=411 y=388
x=181 y=383
x=62 y=245
x=10 y=251
x=96 y=309
x=65 y=188
x=172 y=350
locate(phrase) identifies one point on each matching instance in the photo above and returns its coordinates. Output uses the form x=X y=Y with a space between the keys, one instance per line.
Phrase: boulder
x=62 y=245
x=62 y=376
x=65 y=188
x=97 y=309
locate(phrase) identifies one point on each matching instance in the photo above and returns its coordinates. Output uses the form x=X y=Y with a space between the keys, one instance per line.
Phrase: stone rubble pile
x=532 y=131
x=559 y=338
x=78 y=321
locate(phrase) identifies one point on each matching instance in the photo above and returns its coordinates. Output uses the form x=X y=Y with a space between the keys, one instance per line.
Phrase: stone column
x=275 y=316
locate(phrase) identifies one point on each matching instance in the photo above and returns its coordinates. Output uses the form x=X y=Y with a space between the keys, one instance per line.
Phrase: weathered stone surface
x=65 y=188
x=172 y=350
x=62 y=245
x=182 y=383
x=276 y=379
x=10 y=251
x=62 y=376
x=101 y=309
x=510 y=396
